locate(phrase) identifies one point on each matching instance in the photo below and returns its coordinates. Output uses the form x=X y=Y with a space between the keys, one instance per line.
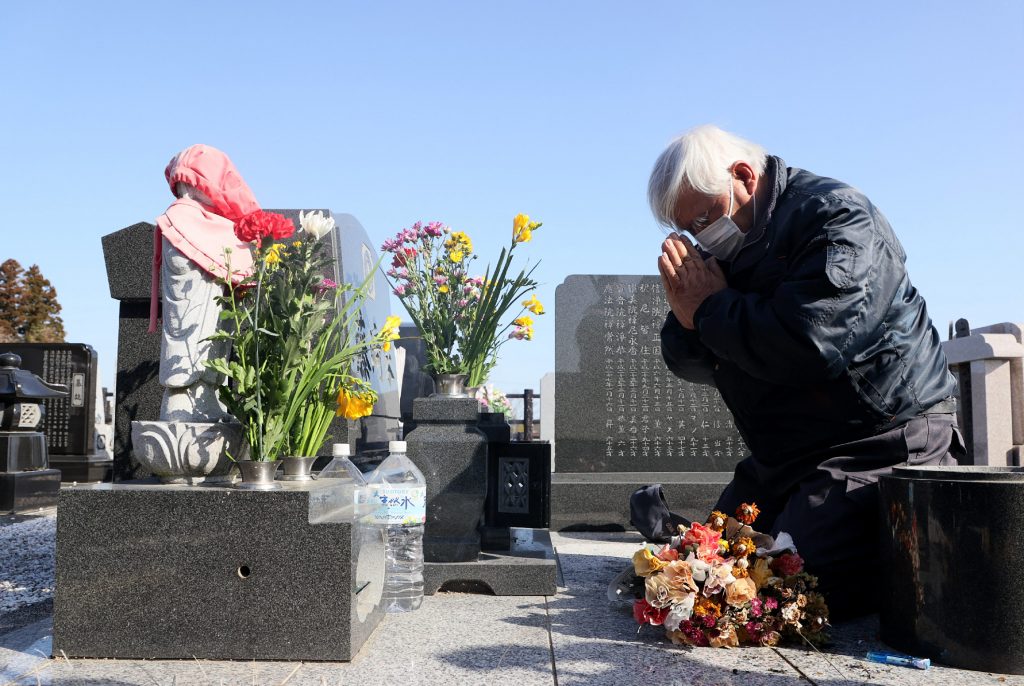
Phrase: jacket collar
x=760 y=236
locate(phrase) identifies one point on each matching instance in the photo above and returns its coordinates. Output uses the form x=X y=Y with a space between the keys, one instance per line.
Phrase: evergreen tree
x=29 y=310
x=10 y=295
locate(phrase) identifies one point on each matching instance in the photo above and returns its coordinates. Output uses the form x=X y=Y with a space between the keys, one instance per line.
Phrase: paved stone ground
x=572 y=638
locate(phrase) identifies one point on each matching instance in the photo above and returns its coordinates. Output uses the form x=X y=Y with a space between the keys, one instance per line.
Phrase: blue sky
x=471 y=112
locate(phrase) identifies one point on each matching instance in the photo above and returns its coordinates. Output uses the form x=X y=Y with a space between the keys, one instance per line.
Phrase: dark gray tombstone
x=416 y=383
x=622 y=420
x=950 y=551
x=69 y=423
x=129 y=253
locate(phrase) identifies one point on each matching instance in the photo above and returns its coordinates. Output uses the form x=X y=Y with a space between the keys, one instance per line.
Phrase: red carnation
x=645 y=613
x=403 y=257
x=255 y=226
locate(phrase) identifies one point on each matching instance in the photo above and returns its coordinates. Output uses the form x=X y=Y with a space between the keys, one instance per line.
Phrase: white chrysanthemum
x=316 y=224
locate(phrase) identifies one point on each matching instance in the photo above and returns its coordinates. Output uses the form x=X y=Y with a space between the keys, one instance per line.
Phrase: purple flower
x=434 y=229
x=326 y=285
x=771 y=604
x=402 y=273
x=392 y=244
x=440 y=280
x=463 y=303
x=755 y=607
x=417 y=226
x=400 y=289
x=709 y=621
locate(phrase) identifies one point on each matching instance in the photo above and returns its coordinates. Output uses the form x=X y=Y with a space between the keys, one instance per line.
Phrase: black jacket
x=820 y=337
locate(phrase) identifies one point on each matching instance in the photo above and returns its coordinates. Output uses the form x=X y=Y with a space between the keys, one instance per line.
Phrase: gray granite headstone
x=617 y=407
x=70 y=422
x=128 y=254
x=622 y=419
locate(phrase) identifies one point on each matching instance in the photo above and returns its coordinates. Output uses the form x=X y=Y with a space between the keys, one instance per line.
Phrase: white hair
x=699 y=159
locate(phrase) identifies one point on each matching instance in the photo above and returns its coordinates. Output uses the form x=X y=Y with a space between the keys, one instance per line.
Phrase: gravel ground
x=26 y=561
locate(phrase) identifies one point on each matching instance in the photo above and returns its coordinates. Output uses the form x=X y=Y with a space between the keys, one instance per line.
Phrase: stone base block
x=527 y=567
x=214 y=573
x=25 y=491
x=595 y=501
x=83 y=468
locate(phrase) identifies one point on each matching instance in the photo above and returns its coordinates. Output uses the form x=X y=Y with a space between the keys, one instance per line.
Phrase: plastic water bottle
x=353 y=483
x=400 y=494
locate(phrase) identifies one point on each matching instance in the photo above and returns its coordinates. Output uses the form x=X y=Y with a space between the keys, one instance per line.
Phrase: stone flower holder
x=452 y=454
x=951 y=565
x=189 y=452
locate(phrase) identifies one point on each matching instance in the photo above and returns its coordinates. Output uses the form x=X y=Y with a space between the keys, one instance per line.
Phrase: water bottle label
x=400 y=505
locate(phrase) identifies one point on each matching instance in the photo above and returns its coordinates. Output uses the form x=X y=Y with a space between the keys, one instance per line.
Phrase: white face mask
x=722 y=238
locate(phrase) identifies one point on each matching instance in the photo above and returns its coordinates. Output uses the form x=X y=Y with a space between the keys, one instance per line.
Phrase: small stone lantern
x=22 y=444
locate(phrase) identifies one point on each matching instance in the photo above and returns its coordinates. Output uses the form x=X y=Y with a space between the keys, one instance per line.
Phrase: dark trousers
x=829 y=504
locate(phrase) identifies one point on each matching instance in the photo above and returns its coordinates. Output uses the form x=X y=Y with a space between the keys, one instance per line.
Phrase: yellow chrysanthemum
x=297 y=244
x=533 y=305
x=443 y=288
x=274 y=253
x=352 y=405
x=456 y=256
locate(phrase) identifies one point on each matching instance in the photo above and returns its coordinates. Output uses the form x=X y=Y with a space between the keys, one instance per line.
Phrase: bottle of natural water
x=400 y=496
x=353 y=483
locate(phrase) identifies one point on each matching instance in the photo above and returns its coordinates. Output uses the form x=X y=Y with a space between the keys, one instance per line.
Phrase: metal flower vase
x=450 y=385
x=258 y=475
x=297 y=469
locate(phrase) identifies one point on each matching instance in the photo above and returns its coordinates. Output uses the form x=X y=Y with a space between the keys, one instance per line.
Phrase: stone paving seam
x=551 y=643
x=794 y=666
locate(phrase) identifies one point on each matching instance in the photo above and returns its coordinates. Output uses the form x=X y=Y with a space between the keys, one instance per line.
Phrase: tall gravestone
x=128 y=254
x=622 y=419
x=70 y=423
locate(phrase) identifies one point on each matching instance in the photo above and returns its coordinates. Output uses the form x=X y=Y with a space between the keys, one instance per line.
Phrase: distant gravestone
x=621 y=416
x=69 y=423
x=128 y=254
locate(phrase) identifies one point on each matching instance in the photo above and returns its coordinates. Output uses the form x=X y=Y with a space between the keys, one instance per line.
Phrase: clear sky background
x=471 y=112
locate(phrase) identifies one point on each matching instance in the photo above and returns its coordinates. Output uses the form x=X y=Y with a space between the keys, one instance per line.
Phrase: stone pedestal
x=452 y=454
x=951 y=561
x=214 y=573
x=27 y=491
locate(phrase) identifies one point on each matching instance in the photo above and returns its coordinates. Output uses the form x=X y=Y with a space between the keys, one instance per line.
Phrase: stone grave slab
x=622 y=420
x=214 y=573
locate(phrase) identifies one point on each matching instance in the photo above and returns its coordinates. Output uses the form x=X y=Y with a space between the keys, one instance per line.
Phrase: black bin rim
x=958 y=473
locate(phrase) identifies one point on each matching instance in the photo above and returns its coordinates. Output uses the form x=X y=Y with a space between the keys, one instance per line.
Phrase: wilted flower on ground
x=646 y=562
x=740 y=592
x=747 y=513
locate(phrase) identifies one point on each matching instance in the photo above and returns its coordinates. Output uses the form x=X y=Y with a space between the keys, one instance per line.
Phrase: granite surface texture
x=600 y=502
x=526 y=568
x=948 y=535
x=617 y=407
x=573 y=637
x=452 y=454
x=26 y=491
x=214 y=573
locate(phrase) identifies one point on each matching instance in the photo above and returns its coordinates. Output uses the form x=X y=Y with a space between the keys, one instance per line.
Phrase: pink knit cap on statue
x=203 y=232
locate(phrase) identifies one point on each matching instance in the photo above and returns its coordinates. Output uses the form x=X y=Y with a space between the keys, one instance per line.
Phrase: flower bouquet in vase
x=292 y=334
x=460 y=316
